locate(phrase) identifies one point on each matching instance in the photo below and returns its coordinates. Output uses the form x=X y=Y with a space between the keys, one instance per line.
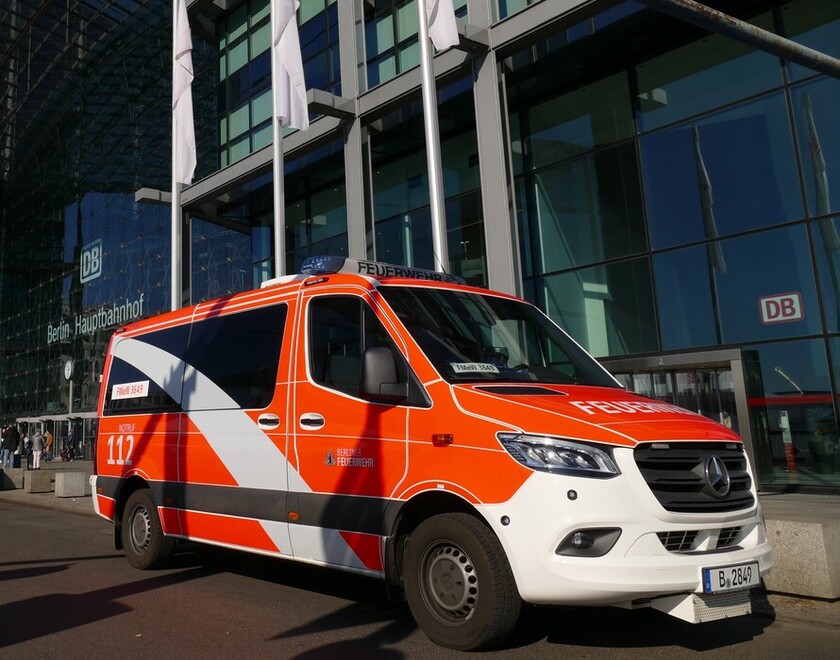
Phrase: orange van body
x=451 y=440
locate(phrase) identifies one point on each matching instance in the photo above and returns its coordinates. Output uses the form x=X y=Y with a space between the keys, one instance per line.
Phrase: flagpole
x=175 y=285
x=175 y=229
x=433 y=158
x=279 y=202
x=277 y=168
x=183 y=138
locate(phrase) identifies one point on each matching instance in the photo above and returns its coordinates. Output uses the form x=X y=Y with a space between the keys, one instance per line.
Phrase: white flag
x=290 y=92
x=443 y=29
x=183 y=166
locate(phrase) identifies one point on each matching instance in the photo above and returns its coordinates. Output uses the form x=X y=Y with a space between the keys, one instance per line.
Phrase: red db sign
x=781 y=308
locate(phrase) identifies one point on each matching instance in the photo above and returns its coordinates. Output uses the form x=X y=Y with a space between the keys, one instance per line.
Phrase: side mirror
x=380 y=379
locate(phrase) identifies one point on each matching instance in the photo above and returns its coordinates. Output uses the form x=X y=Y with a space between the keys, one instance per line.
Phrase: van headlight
x=558 y=455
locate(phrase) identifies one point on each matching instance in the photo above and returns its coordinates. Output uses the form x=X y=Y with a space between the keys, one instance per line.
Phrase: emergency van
x=450 y=440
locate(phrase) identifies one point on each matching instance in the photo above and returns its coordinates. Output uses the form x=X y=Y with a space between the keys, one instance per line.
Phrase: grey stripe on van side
x=350 y=513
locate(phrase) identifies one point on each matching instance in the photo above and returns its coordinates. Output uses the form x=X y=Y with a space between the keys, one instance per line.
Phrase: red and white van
x=451 y=440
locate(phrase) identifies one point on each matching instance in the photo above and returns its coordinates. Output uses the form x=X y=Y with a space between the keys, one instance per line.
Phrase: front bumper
x=549 y=507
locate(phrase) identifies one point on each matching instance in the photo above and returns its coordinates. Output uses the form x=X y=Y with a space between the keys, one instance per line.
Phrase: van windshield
x=479 y=338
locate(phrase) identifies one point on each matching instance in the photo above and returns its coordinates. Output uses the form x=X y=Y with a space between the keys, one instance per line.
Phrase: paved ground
x=779 y=606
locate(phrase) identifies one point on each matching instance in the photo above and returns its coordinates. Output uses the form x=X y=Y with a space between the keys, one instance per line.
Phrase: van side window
x=335 y=340
x=239 y=353
x=341 y=328
x=152 y=397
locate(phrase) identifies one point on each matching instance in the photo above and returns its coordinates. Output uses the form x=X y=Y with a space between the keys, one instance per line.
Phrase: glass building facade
x=666 y=194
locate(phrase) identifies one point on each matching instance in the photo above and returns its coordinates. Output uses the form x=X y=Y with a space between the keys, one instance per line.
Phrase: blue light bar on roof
x=322 y=265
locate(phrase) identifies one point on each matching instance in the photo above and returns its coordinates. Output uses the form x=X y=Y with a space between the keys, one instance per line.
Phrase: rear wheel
x=143 y=540
x=459 y=584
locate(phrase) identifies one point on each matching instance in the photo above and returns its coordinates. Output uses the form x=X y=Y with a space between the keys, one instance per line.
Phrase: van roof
x=313 y=266
x=327 y=265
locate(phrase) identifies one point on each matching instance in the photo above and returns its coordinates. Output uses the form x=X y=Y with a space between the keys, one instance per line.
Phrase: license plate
x=730 y=578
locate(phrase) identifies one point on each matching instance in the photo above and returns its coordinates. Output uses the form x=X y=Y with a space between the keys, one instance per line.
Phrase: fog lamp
x=594 y=542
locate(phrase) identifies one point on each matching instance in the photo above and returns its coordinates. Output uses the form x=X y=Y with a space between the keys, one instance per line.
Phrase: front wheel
x=458 y=583
x=145 y=544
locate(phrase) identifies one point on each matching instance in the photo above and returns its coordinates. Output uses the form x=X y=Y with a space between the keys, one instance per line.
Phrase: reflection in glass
x=794 y=427
x=815 y=107
x=608 y=309
x=828 y=268
x=581 y=212
x=686 y=305
x=221 y=261
x=642 y=384
x=750 y=165
x=316 y=206
x=702 y=75
x=485 y=338
x=764 y=271
x=401 y=192
x=569 y=123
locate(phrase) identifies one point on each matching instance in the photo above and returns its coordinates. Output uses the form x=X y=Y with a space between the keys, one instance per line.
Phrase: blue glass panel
x=826 y=235
x=756 y=288
x=684 y=285
x=221 y=262
x=260 y=73
x=738 y=174
x=312 y=36
x=316 y=70
x=335 y=70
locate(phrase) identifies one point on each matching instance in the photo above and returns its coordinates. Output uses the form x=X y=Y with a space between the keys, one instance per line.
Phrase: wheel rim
x=140 y=529
x=449 y=583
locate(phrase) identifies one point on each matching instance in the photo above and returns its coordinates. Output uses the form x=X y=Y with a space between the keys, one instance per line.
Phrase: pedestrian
x=37 y=448
x=48 y=445
x=26 y=446
x=71 y=446
x=11 y=442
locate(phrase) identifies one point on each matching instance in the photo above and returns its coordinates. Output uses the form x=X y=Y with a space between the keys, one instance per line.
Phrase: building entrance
x=791 y=438
x=711 y=384
x=708 y=391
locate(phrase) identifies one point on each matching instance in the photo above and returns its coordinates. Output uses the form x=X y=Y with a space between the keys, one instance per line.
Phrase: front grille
x=727 y=537
x=676 y=474
x=685 y=540
x=677 y=541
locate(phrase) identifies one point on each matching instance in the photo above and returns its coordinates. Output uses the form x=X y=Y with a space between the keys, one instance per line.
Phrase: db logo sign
x=781 y=308
x=91 y=261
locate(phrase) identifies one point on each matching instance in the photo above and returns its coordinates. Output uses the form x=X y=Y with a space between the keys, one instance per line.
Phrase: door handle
x=311 y=421
x=268 y=421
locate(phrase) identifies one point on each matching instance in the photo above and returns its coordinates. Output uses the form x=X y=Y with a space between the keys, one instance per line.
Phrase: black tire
x=143 y=540
x=458 y=583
